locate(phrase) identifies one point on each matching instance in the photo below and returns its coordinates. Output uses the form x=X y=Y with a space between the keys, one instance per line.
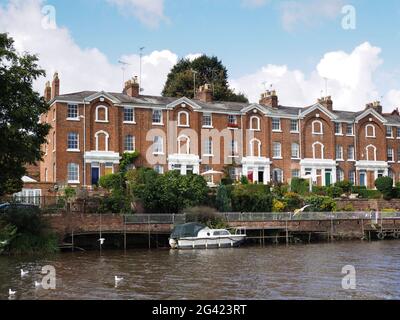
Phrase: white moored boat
x=198 y=236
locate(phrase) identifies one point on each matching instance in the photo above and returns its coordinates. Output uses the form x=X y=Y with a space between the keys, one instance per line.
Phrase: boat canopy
x=187 y=230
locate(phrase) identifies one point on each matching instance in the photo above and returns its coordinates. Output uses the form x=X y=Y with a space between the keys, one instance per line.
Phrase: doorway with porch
x=95 y=174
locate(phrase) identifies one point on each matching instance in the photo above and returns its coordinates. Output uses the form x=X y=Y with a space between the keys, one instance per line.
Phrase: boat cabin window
x=221 y=233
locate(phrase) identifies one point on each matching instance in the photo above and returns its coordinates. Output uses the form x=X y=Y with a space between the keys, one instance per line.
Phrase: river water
x=273 y=272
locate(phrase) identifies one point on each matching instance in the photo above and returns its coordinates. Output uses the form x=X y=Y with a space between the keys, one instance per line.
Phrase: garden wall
x=369 y=204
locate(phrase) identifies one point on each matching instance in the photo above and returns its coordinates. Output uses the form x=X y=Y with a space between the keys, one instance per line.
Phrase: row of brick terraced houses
x=266 y=142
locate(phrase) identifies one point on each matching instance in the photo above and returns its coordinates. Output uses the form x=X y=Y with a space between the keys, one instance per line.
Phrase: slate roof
x=215 y=106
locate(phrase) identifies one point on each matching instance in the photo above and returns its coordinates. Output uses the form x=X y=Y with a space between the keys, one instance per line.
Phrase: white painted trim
x=318 y=107
x=106 y=114
x=370 y=125
x=252 y=148
x=368 y=112
x=96 y=136
x=258 y=123
x=321 y=126
x=180 y=113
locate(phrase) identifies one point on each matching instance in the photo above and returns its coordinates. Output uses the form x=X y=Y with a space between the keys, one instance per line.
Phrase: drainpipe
x=84 y=143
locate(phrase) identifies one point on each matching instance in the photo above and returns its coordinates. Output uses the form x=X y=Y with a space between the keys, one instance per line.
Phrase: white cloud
x=193 y=56
x=393 y=98
x=351 y=80
x=149 y=12
x=308 y=12
x=79 y=68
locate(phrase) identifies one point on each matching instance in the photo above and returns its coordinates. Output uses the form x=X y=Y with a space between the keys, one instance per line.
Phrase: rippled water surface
x=273 y=272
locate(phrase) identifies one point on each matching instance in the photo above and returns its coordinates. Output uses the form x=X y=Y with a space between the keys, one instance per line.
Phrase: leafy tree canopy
x=21 y=134
x=210 y=70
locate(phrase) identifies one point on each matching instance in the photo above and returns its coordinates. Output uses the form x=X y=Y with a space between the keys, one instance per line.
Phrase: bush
x=321 y=204
x=293 y=201
x=251 y=198
x=334 y=192
x=300 y=186
x=345 y=185
x=278 y=206
x=244 y=180
x=385 y=186
x=358 y=189
x=116 y=202
x=280 y=189
x=369 y=194
x=207 y=216
x=111 y=182
x=348 y=208
x=320 y=191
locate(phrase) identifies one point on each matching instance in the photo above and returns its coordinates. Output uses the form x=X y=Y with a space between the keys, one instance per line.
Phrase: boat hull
x=207 y=243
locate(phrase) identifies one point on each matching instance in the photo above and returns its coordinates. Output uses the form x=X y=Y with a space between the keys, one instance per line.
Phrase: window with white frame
x=371 y=153
x=339 y=152
x=296 y=173
x=339 y=175
x=294 y=126
x=208 y=147
x=72 y=113
x=207 y=120
x=157 y=116
x=390 y=154
x=351 y=153
x=389 y=132
x=73 y=141
x=101 y=114
x=277 y=175
x=317 y=127
x=232 y=120
x=349 y=129
x=208 y=177
x=129 y=143
x=397 y=132
x=183 y=119
x=255 y=148
x=159 y=169
x=338 y=128
x=73 y=173
x=295 y=151
x=370 y=131
x=129 y=115
x=352 y=177
x=255 y=123
x=158 y=146
x=277 y=150
x=276 y=124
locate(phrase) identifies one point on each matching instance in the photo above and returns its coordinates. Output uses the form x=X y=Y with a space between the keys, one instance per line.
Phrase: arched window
x=102 y=139
x=371 y=153
x=183 y=145
x=318 y=150
x=255 y=148
x=129 y=143
x=183 y=119
x=255 y=123
x=295 y=151
x=370 y=131
x=101 y=114
x=317 y=127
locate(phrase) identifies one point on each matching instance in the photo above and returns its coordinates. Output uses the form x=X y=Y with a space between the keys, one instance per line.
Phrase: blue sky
x=248 y=35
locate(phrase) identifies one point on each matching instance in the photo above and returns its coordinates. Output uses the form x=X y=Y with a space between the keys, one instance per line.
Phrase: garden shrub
x=334 y=192
x=251 y=198
x=278 y=206
x=345 y=185
x=385 y=186
x=320 y=204
x=207 y=216
x=293 y=201
x=300 y=186
x=223 y=202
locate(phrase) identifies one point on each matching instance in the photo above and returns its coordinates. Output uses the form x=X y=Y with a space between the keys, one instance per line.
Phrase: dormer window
x=183 y=119
x=370 y=131
x=101 y=114
x=317 y=127
x=255 y=123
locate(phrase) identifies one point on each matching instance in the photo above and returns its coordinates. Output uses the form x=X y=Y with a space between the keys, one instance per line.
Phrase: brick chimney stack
x=132 y=87
x=205 y=93
x=55 y=86
x=269 y=99
x=326 y=102
x=376 y=105
x=47 y=91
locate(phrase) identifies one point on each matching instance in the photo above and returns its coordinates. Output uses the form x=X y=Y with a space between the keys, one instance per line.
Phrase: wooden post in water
x=362 y=230
x=124 y=234
x=149 y=232
x=287 y=233
x=73 y=243
x=332 y=229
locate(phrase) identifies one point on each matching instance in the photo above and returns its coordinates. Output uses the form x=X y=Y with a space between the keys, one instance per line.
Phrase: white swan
x=118 y=280
x=102 y=241
x=11 y=293
x=24 y=273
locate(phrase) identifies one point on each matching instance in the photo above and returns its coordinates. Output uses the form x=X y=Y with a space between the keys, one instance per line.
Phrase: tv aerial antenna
x=124 y=66
x=140 y=71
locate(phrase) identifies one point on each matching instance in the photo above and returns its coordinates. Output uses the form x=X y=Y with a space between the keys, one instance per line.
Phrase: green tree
x=223 y=202
x=21 y=134
x=385 y=186
x=210 y=70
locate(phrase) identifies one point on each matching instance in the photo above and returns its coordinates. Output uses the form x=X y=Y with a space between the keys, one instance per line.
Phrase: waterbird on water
x=24 y=273
x=102 y=241
x=4 y=243
x=11 y=293
x=118 y=280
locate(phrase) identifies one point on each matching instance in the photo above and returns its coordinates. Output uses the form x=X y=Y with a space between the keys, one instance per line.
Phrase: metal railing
x=261 y=217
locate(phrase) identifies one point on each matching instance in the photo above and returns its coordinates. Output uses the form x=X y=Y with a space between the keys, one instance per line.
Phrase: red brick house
x=265 y=142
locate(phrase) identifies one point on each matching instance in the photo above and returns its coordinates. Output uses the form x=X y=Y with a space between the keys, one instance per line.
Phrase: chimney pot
x=132 y=87
x=269 y=99
x=55 y=86
x=205 y=93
